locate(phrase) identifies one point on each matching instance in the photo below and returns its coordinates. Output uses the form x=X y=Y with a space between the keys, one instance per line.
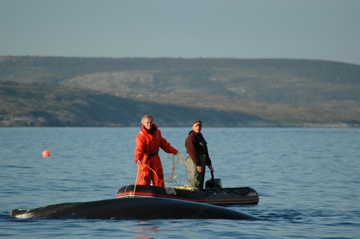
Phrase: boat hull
x=215 y=196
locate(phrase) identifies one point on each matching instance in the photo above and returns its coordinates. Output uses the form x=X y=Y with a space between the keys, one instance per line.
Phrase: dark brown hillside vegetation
x=57 y=91
x=32 y=104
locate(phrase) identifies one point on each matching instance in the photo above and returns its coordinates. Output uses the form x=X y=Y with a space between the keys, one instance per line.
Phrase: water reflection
x=144 y=230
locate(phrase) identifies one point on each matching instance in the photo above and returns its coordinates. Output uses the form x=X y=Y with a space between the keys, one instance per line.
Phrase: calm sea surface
x=308 y=181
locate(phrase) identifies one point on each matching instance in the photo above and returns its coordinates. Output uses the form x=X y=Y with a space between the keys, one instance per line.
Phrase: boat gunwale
x=244 y=200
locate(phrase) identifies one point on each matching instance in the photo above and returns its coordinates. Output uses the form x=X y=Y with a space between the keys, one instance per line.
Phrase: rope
x=137 y=175
x=154 y=173
x=175 y=163
x=173 y=170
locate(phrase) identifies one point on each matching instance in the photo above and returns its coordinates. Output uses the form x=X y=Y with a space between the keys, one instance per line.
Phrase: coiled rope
x=175 y=163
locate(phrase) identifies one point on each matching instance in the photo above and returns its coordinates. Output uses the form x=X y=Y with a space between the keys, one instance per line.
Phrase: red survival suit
x=146 y=151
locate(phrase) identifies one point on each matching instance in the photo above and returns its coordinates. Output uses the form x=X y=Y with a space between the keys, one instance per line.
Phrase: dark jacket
x=196 y=145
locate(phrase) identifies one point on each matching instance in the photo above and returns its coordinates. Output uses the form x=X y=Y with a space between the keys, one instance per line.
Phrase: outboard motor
x=213 y=182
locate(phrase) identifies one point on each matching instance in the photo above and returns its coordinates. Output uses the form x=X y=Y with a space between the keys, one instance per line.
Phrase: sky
x=243 y=29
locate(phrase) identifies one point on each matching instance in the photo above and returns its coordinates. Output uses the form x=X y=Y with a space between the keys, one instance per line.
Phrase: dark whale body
x=133 y=208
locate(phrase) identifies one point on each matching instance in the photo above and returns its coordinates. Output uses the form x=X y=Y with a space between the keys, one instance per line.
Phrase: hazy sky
x=305 y=29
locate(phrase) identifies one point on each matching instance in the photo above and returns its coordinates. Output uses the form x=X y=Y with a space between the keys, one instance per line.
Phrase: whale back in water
x=133 y=208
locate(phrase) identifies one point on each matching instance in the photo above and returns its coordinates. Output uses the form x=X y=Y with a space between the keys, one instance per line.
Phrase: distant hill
x=67 y=91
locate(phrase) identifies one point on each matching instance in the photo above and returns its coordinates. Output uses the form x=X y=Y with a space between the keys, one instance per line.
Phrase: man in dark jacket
x=197 y=156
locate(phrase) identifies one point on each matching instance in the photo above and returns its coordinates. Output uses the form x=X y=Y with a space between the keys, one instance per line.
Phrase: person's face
x=148 y=123
x=197 y=128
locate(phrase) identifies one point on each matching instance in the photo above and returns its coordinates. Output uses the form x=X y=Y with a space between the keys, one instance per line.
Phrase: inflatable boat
x=213 y=193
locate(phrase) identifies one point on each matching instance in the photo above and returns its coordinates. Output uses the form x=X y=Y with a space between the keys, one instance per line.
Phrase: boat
x=210 y=195
x=150 y=202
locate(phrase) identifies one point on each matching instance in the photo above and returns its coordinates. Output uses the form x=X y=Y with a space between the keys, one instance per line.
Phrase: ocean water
x=308 y=181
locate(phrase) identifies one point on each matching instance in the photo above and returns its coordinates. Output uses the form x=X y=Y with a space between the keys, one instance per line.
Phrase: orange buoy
x=46 y=153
